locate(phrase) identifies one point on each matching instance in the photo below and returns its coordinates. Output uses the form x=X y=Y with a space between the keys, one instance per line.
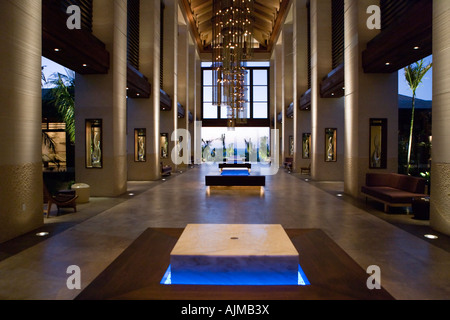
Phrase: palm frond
x=63 y=98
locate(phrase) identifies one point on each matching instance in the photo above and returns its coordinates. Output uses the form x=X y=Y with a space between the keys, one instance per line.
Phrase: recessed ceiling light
x=416 y=48
x=57 y=50
x=42 y=234
x=388 y=63
x=431 y=236
x=339 y=195
x=84 y=65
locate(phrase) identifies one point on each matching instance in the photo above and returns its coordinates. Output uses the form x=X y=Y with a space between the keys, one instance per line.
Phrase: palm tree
x=64 y=99
x=414 y=74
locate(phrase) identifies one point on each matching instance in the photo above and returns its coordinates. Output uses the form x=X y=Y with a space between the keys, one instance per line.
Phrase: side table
x=421 y=208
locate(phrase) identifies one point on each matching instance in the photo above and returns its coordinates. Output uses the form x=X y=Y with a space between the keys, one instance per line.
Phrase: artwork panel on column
x=164 y=145
x=378 y=144
x=306 y=146
x=140 y=140
x=94 y=144
x=330 y=145
x=291 y=146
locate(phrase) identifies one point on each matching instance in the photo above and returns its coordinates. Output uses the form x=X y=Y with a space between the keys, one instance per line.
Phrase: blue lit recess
x=234 y=279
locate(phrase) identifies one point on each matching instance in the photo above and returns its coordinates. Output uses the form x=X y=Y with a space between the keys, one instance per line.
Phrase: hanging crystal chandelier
x=232 y=48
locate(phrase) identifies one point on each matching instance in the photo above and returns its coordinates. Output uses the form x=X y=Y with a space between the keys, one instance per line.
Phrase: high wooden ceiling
x=269 y=16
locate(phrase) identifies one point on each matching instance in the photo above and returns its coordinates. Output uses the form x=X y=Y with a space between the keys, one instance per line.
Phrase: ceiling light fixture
x=232 y=48
x=416 y=48
x=42 y=234
x=431 y=236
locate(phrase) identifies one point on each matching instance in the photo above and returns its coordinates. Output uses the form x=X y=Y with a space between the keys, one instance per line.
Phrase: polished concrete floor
x=412 y=267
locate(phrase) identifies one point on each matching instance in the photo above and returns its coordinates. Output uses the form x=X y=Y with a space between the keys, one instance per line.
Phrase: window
x=258 y=93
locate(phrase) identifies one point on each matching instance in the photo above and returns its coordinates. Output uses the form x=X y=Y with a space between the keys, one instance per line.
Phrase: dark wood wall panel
x=338 y=39
x=392 y=10
x=133 y=32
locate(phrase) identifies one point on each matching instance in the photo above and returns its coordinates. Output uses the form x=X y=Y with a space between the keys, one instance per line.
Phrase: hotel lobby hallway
x=411 y=267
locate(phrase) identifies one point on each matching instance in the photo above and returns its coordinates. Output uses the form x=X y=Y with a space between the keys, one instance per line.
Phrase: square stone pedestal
x=217 y=254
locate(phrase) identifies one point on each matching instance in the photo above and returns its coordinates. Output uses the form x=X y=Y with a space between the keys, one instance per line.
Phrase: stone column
x=325 y=113
x=288 y=86
x=279 y=97
x=366 y=96
x=197 y=110
x=440 y=171
x=183 y=83
x=145 y=113
x=169 y=120
x=21 y=193
x=192 y=72
x=302 y=119
x=104 y=97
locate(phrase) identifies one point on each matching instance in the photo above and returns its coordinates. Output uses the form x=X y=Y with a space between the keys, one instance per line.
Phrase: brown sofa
x=393 y=190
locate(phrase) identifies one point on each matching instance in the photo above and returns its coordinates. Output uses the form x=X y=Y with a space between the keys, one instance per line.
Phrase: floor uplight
x=42 y=234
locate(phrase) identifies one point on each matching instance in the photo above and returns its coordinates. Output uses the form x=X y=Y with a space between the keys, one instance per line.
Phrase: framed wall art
x=306 y=146
x=140 y=140
x=291 y=146
x=378 y=144
x=94 y=143
x=164 y=145
x=330 y=145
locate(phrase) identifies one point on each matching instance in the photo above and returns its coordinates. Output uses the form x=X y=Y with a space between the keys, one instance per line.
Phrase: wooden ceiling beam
x=263 y=8
x=282 y=13
x=269 y=17
x=264 y=18
x=187 y=9
x=202 y=6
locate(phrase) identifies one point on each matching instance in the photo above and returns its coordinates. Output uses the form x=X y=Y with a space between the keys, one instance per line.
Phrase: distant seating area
x=288 y=163
x=305 y=170
x=393 y=190
x=166 y=170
